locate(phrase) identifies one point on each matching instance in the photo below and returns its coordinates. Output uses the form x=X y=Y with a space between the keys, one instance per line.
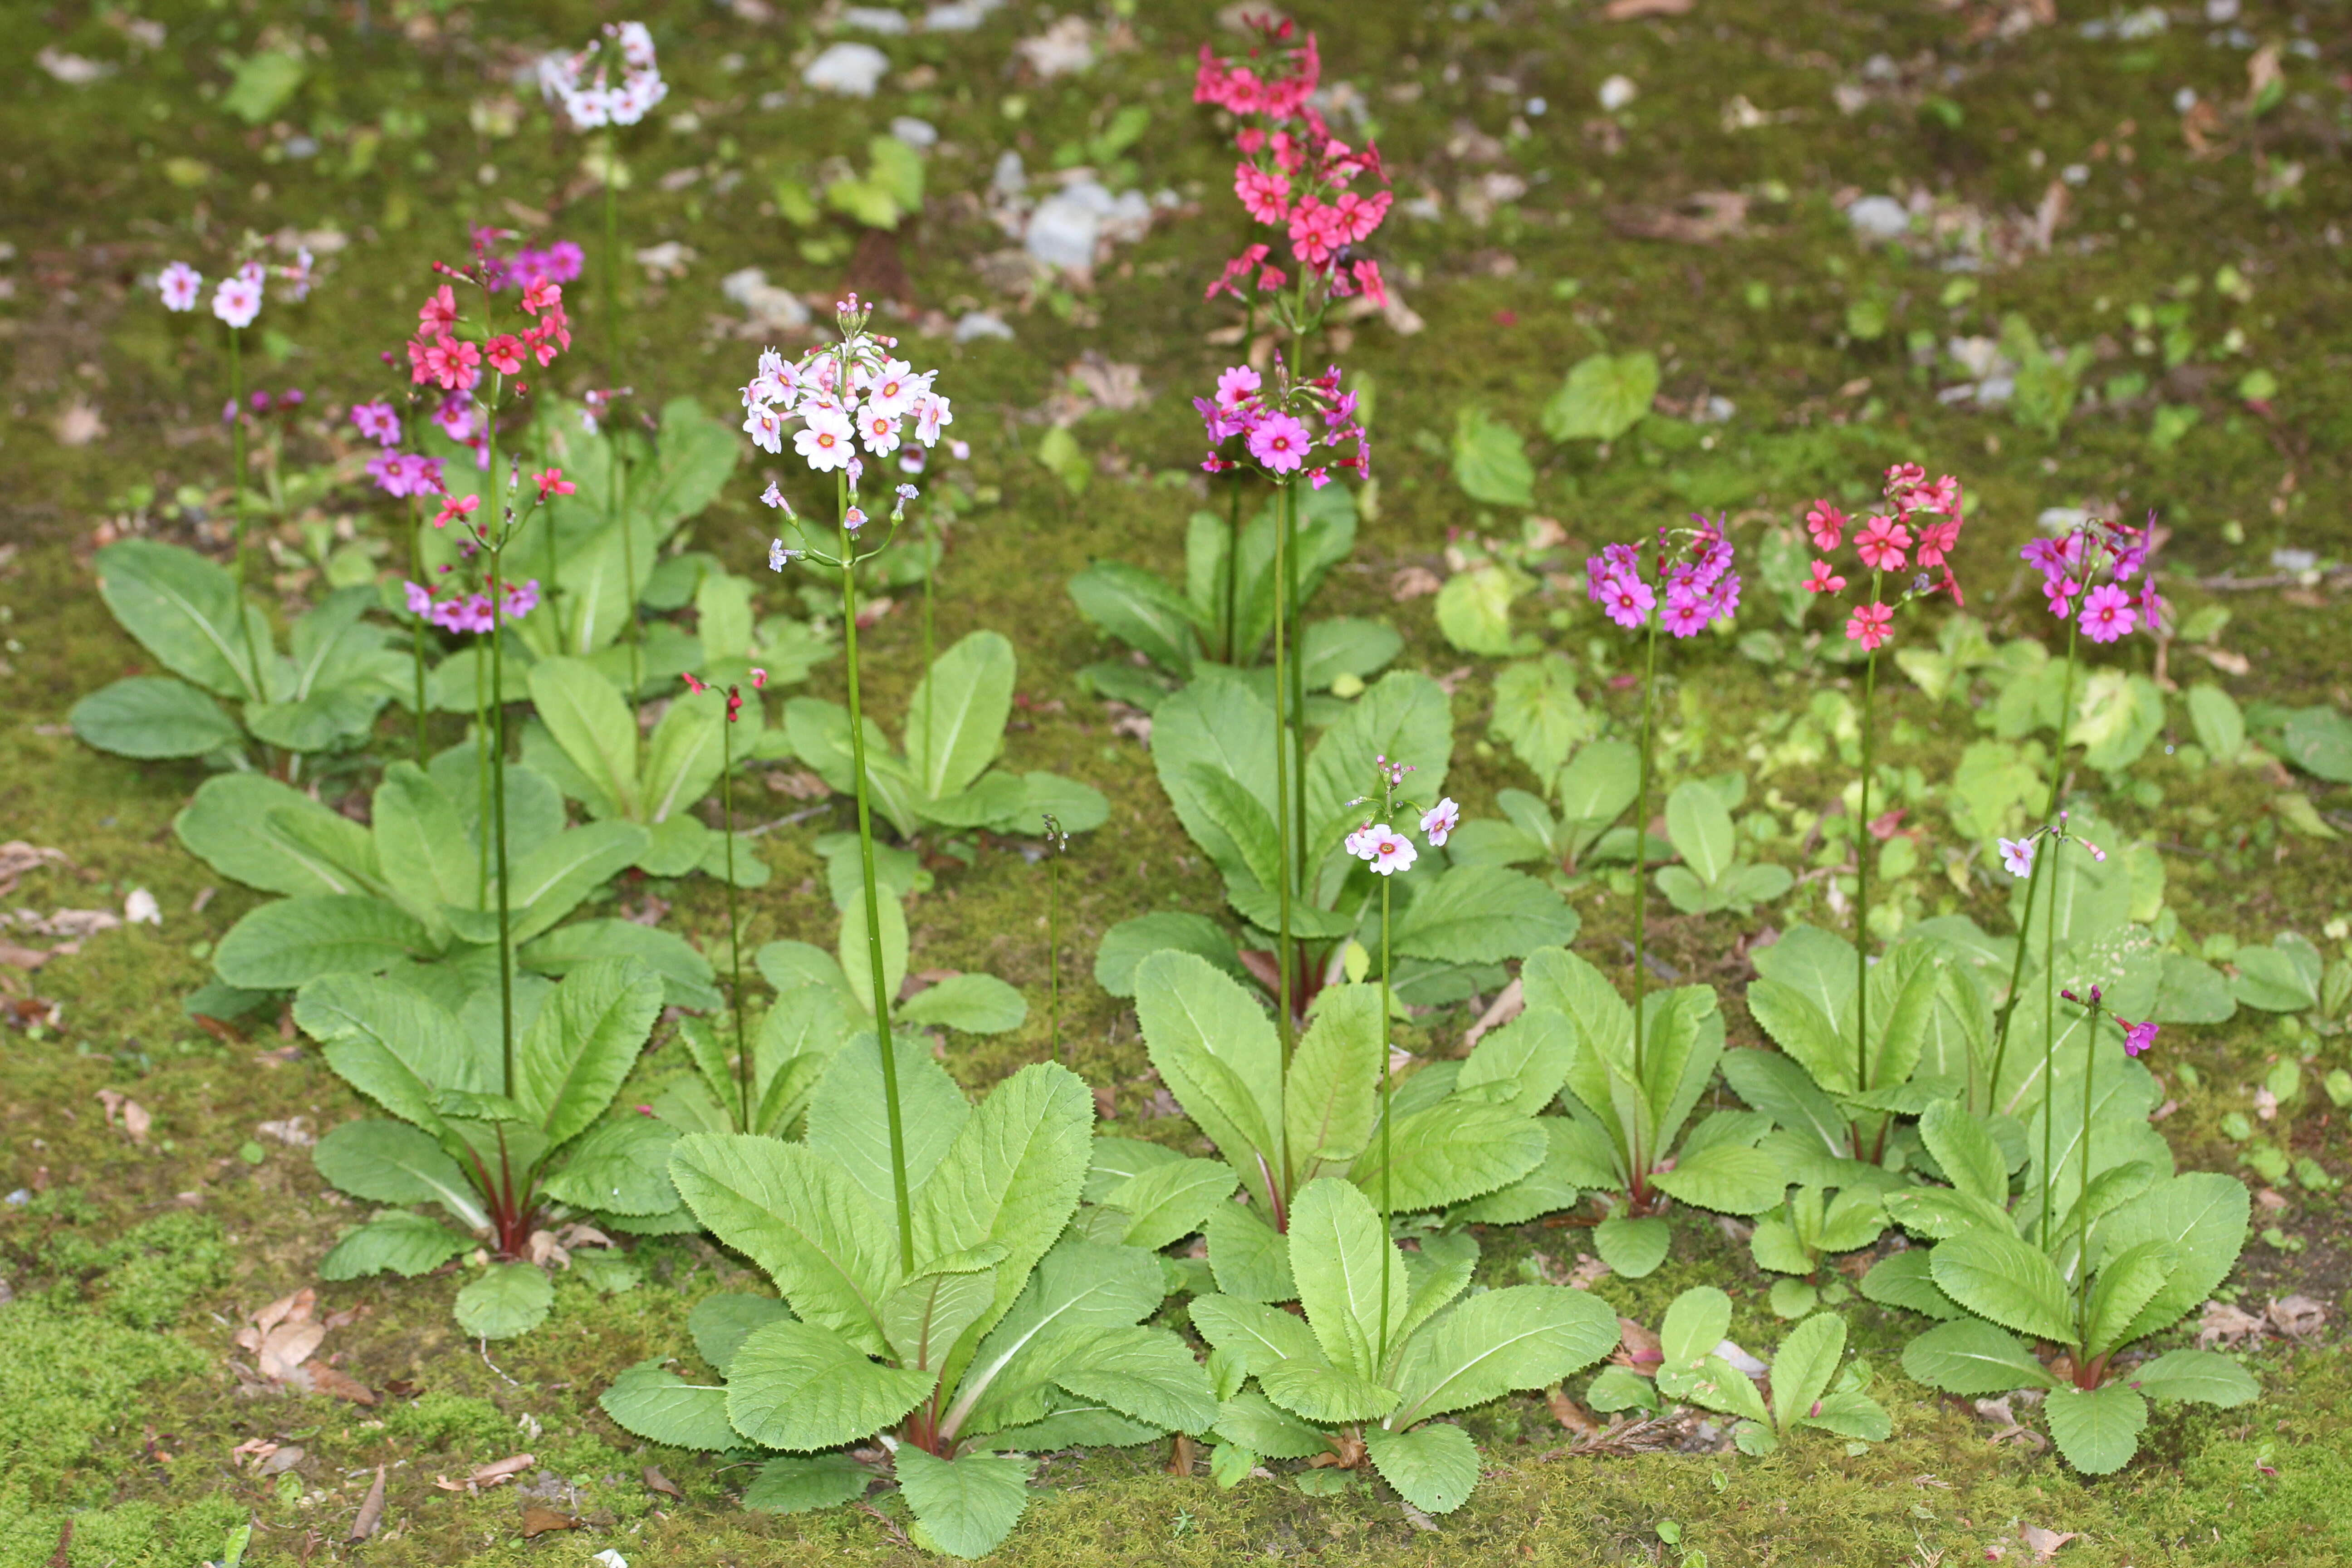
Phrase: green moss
x=156 y=1272
x=456 y=1424
x=68 y=1380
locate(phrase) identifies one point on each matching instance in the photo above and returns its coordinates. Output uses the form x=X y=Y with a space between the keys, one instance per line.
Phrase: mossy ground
x=117 y=1411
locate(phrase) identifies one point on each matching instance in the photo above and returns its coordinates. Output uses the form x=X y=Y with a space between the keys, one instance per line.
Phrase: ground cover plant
x=1553 y=781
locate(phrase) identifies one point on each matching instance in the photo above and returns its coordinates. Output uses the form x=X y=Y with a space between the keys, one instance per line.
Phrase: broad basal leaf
x=1332 y=1093
x=1522 y=1336
x=1433 y=1467
x=282 y=945
x=2195 y=1377
x=1196 y=1020
x=660 y=1407
x=388 y=1162
x=152 y=716
x=1169 y=1201
x=404 y=1244
x=791 y=1483
x=830 y=1247
x=1971 y=1357
x=799 y=1387
x=571 y=1062
x=1349 y=1280
x=1804 y=1364
x=721 y=1323
x=1482 y=914
x=2098 y=1430
x=388 y=1042
x=504 y=1300
x=955 y=719
x=1453 y=1151
x=964 y=1507
x=849 y=1123
x=1996 y=1276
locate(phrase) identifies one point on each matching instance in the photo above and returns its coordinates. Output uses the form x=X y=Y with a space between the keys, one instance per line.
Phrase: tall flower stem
x=1862 y=876
x=734 y=919
x=500 y=522
x=1053 y=932
x=612 y=261
x=416 y=638
x=1634 y=1161
x=237 y=508
x=2049 y=1047
x=873 y=897
x=1229 y=623
x=1387 y=1097
x=1283 y=957
x=1299 y=848
x=482 y=768
x=616 y=475
x=2081 y=1204
x=931 y=568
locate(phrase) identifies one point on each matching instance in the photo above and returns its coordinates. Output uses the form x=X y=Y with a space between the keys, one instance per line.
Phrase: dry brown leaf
x=253 y=1448
x=1416 y=1519
x=1569 y=1414
x=2045 y=1544
x=538 y=1521
x=370 y=1514
x=24 y=958
x=798 y=783
x=2297 y=1317
x=282 y=1458
x=2049 y=213
x=2222 y=1323
x=1588 y=1269
x=1702 y=217
x=1637 y=1347
x=576 y=1236
x=490 y=1475
x=1180 y=1455
x=340 y=1384
x=294 y=1308
x=544 y=1250
x=287 y=1347
x=131 y=1115
x=1106 y=1102
x=1635 y=10
x=658 y=1482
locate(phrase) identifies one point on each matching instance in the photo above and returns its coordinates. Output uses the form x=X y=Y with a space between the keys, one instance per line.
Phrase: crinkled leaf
x=1433 y=1467
x=404 y=1244
x=1727 y=1178
x=1970 y=1356
x=2096 y=1429
x=1519 y=1336
x=829 y=1248
x=655 y=1403
x=2195 y=1377
x=388 y=1162
x=721 y=1323
x=284 y=944
x=1903 y=1280
x=1349 y=1282
x=591 y=721
x=1998 y=1277
x=963 y=1507
x=1169 y=1201
x=570 y=1061
x=1482 y=914
x=971 y=1004
x=1803 y=1366
x=799 y=1387
x=152 y=716
x=507 y=1299
x=791 y=1483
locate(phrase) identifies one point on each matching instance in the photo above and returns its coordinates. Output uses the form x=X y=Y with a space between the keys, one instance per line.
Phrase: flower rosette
x=1915 y=534
x=1277 y=426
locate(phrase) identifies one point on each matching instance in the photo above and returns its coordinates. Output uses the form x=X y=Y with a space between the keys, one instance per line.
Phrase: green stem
x=734 y=919
x=481 y=772
x=1388 y=1096
x=416 y=638
x=237 y=508
x=1862 y=878
x=498 y=525
x=873 y=897
x=612 y=263
x=2083 y=1226
x=2049 y=1043
x=931 y=568
x=1229 y=625
x=1054 y=940
x=1636 y=1164
x=1297 y=802
x=1283 y=956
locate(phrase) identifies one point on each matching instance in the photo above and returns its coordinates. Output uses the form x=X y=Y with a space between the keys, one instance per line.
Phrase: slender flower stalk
x=745 y=1076
x=2138 y=1038
x=1285 y=952
x=1057 y=844
x=236 y=507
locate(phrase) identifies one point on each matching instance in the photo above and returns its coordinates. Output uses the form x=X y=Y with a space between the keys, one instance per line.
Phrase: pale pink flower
x=236 y=302
x=894 y=389
x=879 y=431
x=2017 y=854
x=825 y=440
x=178 y=283
x=931 y=413
x=1388 y=850
x=1440 y=820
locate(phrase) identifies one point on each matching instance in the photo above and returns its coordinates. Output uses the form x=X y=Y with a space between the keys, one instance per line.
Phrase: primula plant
x=1003 y=1337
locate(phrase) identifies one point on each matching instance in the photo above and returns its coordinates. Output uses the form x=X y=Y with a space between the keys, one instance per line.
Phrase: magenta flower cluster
x=1276 y=440
x=1699 y=588
x=2108 y=611
x=471 y=612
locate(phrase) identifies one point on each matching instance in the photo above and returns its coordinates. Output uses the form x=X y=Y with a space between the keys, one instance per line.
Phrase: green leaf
x=1061 y=455
x=2319 y=740
x=1432 y=1467
x=152 y=716
x=686 y=752
x=182 y=609
x=285 y=944
x=1849 y=1413
x=1258 y=1335
x=1719 y=1385
x=964 y=1507
x=2202 y=1216
x=1256 y=1423
x=1700 y=830
x=2098 y=1430
x=1577 y=1159
x=1080 y=1284
x=1331 y=1096
x=1473 y=610
x=263 y=85
x=1799 y=1027
x=1694 y=1324
x=1217 y=1053
x=1490 y=460
x=973 y=1004
x=571 y=1062
x=1902 y=1280
x=2011 y=1282
x=2221 y=726
x=1537 y=711
x=721 y=1323
x=1633 y=1247
x=1344 y=645
x=1482 y=914
x=2124 y=1283
x=1339 y=1256
x=1602 y=397
x=1599 y=783
x=268 y=836
x=2271 y=980
x=390 y=1044
x=550 y=882
x=405 y=1244
x=793 y=1484
x=1777 y=1246
x=1455 y=1150
x=1970 y=1356
x=1434 y=1276
x=829 y=1248
x=619 y=1168
x=1803 y=1366
x=2192 y=992
x=923 y=1317
x=1127 y=944
x=1964 y=1147
x=507 y=1299
x=1146 y=1374
x=420 y=841
x=1728 y=1178
x=855 y=954
x=686 y=978
x=1531 y=1052
x=660 y=1407
x=1323 y=1392
x=1170 y=1202
x=800 y=1386
x=1142 y=611
x=1249 y=1258
x=2195 y=1377
x=387 y=1162
x=1479 y=1349
x=955 y=720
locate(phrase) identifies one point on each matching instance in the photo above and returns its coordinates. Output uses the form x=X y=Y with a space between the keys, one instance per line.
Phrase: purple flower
x=2138 y=1038
x=1685 y=615
x=1628 y=600
x=377 y=422
x=2017 y=854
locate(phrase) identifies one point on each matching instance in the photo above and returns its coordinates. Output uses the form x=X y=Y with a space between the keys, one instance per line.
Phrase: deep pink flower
x=1868 y=625
x=456 y=509
x=1264 y=192
x=1825 y=523
x=1685 y=614
x=450 y=364
x=1628 y=600
x=553 y=483
x=1824 y=580
x=540 y=295
x=2107 y=613
x=1239 y=268
x=1316 y=231
x=377 y=422
x=504 y=353
x=2060 y=592
x=1236 y=387
x=438 y=313
x=2138 y=1038
x=1368 y=278
x=1881 y=544
x=1936 y=540
x=1280 y=443
x=1358 y=216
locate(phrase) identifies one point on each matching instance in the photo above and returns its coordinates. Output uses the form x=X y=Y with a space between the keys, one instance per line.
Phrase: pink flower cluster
x=405 y=473
x=885 y=395
x=586 y=101
x=1700 y=589
x=2109 y=611
x=1276 y=440
x=438 y=356
x=1293 y=174
x=1922 y=516
x=471 y=612
x=559 y=263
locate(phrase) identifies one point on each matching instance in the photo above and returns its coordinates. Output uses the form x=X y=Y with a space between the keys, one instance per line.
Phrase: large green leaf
x=1964 y=1147
x=849 y=1118
x=1129 y=942
x=1455 y=1150
x=801 y=1387
x=1324 y=1392
x=507 y=1299
x=685 y=975
x=1219 y=724
x=389 y=1162
x=1700 y=830
x=1799 y=1028
x=1599 y=783
x=392 y=1045
x=1537 y=711
x=153 y=716
x=2195 y=1377
x=963 y=1507
x=269 y=835
x=1577 y=1159
x=1780 y=1089
x=1169 y=1201
x=924 y=1317
x=830 y=1249
x=1482 y=914
x=1247 y=847
x=590 y=720
x=182 y=609
x=1080 y=1284
x=282 y=945
x=1633 y=1247
x=1694 y=1324
x=550 y=882
x=1252 y=1421
x=1970 y=1356
x=2126 y=1282
x=2014 y=1284
x=1142 y=611
x=1404 y=715
x=1432 y=1467
x=2202 y=1216
x=1146 y=1374
x=1490 y=460
x=1531 y=1052
x=1473 y=611
x=1729 y=1178
x=686 y=751
x=791 y=1483
x=1257 y=1335
x=1349 y=1280
x=1803 y=1366
x=721 y=1323
x=1217 y=1052
x=2098 y=1429
x=971 y=1004
x=571 y=1062
x=405 y=1244
x=1522 y=1336
x=1249 y=1258
x=660 y=1407
x=855 y=954
x=1602 y=397
x=1332 y=1092
x=1902 y=1280
x=428 y=859
x=955 y=719
x=618 y=1168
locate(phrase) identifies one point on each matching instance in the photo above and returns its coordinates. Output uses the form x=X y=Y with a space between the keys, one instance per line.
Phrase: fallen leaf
x=133 y=1116
x=2297 y=1317
x=1569 y=1414
x=1180 y=1455
x=799 y=784
x=280 y=1460
x=1508 y=1005
x=1451 y=681
x=370 y=1514
x=1106 y=1102
x=490 y=1475
x=1635 y=10
x=2227 y=662
x=294 y=1308
x=543 y=1250
x=537 y=1521
x=1416 y=1519
x=253 y=1448
x=1588 y=1269
x=1637 y=1347
x=2045 y=1544
x=2265 y=1103
x=2223 y=1324
x=24 y=958
x=658 y=1482
x=337 y=1383
x=1702 y=217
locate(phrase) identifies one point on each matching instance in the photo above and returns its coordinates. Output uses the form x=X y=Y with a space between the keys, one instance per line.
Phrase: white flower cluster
x=589 y=100
x=1388 y=849
x=883 y=395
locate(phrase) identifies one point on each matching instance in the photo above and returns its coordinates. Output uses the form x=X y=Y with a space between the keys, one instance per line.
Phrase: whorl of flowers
x=463 y=612
x=1270 y=424
x=561 y=262
x=439 y=357
x=1923 y=518
x=1690 y=572
x=2069 y=566
x=1386 y=848
x=1292 y=174
x=885 y=400
x=236 y=299
x=587 y=100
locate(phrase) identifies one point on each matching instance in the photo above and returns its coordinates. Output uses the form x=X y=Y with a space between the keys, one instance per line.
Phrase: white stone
x=981 y=324
x=1617 y=92
x=1879 y=217
x=854 y=69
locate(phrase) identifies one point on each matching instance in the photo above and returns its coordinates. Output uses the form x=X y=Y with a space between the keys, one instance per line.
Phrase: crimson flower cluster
x=1292 y=174
x=2109 y=611
x=697 y=685
x=2138 y=1038
x=1267 y=421
x=1923 y=516
x=437 y=356
x=1699 y=588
